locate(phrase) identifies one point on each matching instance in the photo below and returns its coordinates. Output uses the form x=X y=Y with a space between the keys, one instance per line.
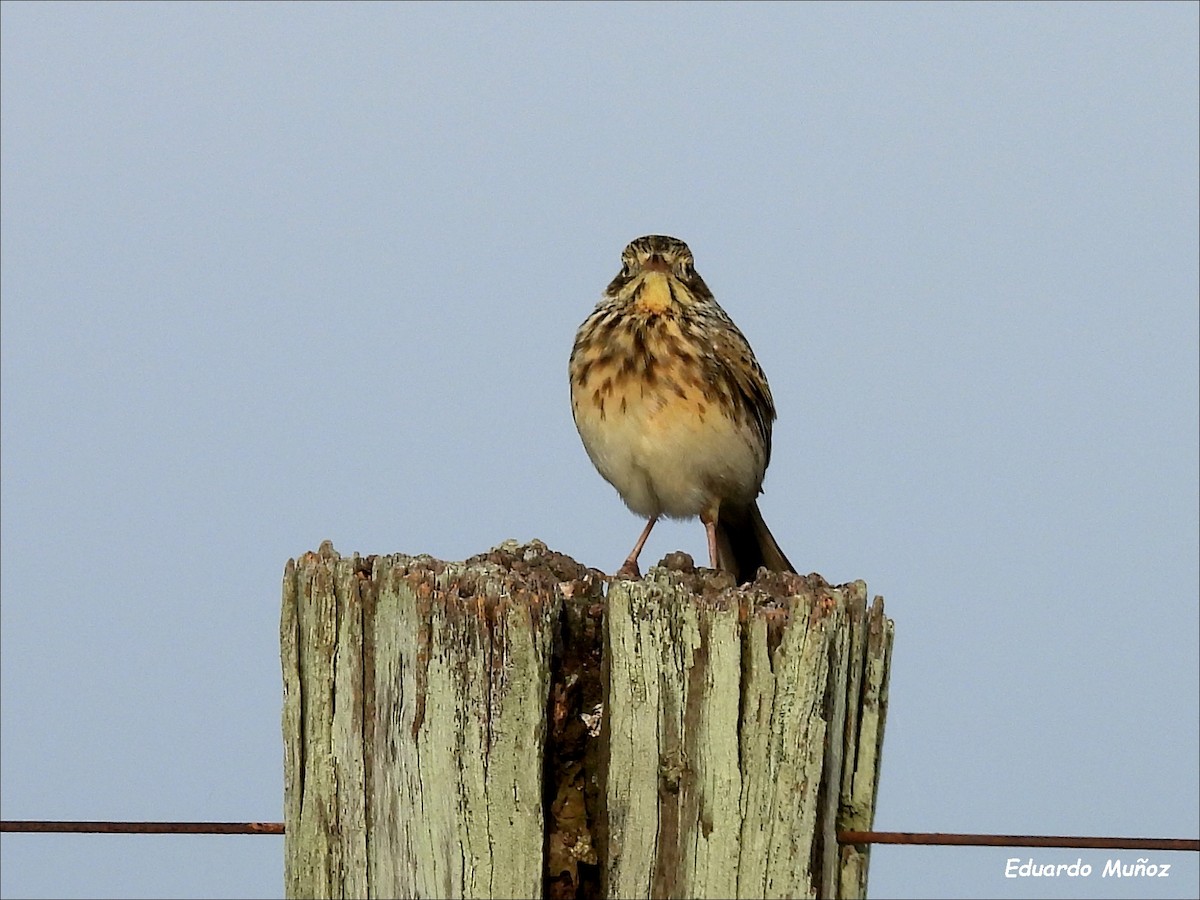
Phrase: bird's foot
x=629 y=570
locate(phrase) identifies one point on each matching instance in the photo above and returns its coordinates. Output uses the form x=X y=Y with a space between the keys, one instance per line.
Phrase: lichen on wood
x=519 y=725
x=414 y=721
x=721 y=700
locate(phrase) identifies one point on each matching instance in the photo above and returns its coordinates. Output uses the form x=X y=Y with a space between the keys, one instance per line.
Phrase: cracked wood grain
x=506 y=727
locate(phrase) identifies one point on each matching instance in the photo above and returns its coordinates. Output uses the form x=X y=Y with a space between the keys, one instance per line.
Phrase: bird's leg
x=710 y=526
x=629 y=569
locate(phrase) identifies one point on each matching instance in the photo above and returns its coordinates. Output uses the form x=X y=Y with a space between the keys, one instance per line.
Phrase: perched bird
x=673 y=408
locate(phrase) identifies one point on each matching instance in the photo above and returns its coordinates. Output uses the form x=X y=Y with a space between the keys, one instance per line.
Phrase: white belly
x=669 y=455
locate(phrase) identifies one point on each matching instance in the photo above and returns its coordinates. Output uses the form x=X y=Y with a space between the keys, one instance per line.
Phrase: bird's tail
x=744 y=543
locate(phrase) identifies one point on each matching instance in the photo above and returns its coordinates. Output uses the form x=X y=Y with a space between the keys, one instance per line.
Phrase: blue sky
x=276 y=273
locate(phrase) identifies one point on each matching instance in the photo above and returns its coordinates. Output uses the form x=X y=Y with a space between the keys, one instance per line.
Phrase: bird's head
x=657 y=253
x=657 y=273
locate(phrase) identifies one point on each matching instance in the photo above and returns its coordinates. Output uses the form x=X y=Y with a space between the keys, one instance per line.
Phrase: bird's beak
x=655 y=263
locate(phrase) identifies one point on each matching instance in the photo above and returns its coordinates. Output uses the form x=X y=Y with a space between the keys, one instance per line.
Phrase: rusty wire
x=1015 y=840
x=844 y=837
x=44 y=827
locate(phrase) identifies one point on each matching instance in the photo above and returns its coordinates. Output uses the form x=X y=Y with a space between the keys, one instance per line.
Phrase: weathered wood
x=501 y=728
x=323 y=792
x=729 y=729
x=414 y=721
x=870 y=659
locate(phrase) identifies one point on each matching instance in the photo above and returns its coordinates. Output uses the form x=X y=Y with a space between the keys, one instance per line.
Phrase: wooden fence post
x=507 y=727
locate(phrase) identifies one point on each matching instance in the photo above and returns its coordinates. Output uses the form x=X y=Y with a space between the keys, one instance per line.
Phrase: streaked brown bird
x=673 y=408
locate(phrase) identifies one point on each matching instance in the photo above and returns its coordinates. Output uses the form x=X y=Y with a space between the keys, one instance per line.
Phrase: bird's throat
x=655 y=294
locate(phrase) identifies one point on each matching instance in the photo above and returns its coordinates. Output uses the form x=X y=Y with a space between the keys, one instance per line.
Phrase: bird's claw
x=629 y=570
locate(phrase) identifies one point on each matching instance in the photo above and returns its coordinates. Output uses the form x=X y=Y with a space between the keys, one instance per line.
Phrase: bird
x=674 y=409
